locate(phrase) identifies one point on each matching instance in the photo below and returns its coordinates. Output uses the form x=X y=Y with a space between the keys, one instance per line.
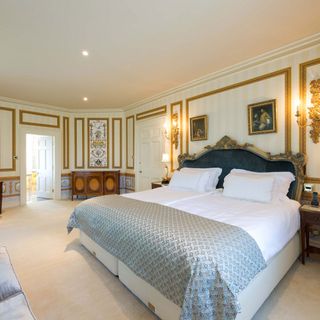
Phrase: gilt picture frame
x=262 y=117
x=199 y=128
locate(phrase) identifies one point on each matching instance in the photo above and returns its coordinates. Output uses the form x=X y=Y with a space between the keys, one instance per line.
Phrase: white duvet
x=272 y=225
x=165 y=195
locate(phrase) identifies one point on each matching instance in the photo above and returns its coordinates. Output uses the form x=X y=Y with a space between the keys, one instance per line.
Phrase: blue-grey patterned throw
x=199 y=264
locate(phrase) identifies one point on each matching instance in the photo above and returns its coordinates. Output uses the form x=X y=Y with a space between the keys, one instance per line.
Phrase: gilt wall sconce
x=314 y=112
x=174 y=131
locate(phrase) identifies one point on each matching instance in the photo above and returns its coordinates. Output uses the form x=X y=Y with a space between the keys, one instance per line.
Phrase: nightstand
x=309 y=216
x=157 y=184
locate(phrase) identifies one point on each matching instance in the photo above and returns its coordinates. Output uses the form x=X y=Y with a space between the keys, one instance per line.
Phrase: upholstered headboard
x=227 y=154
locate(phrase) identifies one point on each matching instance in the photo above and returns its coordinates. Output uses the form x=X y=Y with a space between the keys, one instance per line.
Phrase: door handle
x=140 y=171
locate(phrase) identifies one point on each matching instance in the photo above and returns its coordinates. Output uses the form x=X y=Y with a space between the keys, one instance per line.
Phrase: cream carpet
x=62 y=280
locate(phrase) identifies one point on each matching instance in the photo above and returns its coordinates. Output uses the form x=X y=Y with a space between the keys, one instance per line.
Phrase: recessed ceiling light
x=85 y=99
x=85 y=53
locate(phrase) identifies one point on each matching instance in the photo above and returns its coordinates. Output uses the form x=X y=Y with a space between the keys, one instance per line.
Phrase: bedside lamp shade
x=165 y=158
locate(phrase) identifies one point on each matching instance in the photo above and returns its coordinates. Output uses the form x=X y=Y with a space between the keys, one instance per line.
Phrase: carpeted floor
x=64 y=281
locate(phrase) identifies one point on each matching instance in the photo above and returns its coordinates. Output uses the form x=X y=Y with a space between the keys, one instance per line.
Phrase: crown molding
x=288 y=49
x=55 y=108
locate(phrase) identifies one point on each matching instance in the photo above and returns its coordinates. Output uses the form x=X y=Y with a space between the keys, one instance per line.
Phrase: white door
x=150 y=146
x=45 y=167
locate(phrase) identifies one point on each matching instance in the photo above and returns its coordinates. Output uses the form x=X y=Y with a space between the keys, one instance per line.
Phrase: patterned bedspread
x=199 y=264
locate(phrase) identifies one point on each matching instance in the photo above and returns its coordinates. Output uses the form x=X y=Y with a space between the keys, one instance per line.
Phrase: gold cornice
x=286 y=72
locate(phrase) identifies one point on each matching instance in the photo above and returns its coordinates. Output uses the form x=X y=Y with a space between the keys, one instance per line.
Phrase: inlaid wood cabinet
x=95 y=183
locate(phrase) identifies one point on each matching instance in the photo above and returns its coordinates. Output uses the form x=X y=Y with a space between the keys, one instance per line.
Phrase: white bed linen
x=272 y=225
x=165 y=195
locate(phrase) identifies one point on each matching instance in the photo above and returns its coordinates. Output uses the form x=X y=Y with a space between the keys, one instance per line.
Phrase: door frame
x=139 y=125
x=43 y=131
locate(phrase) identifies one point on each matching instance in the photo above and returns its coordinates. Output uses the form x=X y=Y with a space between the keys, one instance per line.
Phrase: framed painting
x=98 y=143
x=199 y=128
x=262 y=117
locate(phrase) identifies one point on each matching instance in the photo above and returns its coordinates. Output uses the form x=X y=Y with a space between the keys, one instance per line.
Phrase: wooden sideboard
x=95 y=183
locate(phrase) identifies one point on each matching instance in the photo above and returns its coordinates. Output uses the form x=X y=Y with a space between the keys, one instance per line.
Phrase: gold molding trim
x=127 y=174
x=66 y=174
x=303 y=97
x=9 y=178
x=66 y=143
x=113 y=141
x=88 y=143
x=21 y=121
x=287 y=79
x=226 y=143
x=311 y=180
x=172 y=105
x=151 y=113
x=133 y=140
x=75 y=143
x=13 y=148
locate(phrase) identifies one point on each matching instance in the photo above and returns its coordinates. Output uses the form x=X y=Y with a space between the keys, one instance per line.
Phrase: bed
x=226 y=154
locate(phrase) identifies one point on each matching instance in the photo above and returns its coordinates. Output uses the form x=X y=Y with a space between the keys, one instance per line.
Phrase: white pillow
x=253 y=188
x=213 y=172
x=189 y=181
x=282 y=181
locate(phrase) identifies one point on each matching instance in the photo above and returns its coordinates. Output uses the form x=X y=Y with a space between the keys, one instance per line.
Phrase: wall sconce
x=314 y=112
x=175 y=130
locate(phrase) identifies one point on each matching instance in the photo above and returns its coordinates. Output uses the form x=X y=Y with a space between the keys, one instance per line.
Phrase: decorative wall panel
x=98 y=143
x=176 y=109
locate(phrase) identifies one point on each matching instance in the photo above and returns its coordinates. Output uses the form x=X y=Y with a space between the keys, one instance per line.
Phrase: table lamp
x=165 y=160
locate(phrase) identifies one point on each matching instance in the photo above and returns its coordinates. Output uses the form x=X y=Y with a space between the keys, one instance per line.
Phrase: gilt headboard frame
x=265 y=161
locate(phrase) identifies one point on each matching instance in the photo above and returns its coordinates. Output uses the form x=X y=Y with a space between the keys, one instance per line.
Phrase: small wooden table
x=156 y=184
x=309 y=216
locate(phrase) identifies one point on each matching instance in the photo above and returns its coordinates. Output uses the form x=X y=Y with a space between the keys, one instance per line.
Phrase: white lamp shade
x=165 y=158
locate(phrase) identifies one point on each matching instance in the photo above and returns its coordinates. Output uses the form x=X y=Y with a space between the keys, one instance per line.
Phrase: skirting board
x=250 y=299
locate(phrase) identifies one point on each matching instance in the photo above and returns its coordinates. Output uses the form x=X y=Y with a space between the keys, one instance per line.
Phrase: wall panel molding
x=303 y=69
x=4 y=138
x=130 y=149
x=66 y=143
x=115 y=141
x=39 y=119
x=151 y=113
x=286 y=72
x=79 y=143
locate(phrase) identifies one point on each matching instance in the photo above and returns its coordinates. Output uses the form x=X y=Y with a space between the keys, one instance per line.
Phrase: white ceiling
x=137 y=48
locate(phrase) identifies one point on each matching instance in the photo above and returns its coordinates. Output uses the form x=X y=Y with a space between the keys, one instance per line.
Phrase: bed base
x=250 y=299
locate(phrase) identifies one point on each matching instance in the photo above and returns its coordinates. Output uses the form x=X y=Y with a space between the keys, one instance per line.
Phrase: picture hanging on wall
x=262 y=117
x=199 y=128
x=98 y=143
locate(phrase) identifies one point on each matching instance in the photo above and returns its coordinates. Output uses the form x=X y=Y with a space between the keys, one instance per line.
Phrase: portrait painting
x=262 y=117
x=199 y=128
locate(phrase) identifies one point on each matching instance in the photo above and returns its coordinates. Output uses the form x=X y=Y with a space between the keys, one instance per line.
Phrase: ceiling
x=136 y=48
